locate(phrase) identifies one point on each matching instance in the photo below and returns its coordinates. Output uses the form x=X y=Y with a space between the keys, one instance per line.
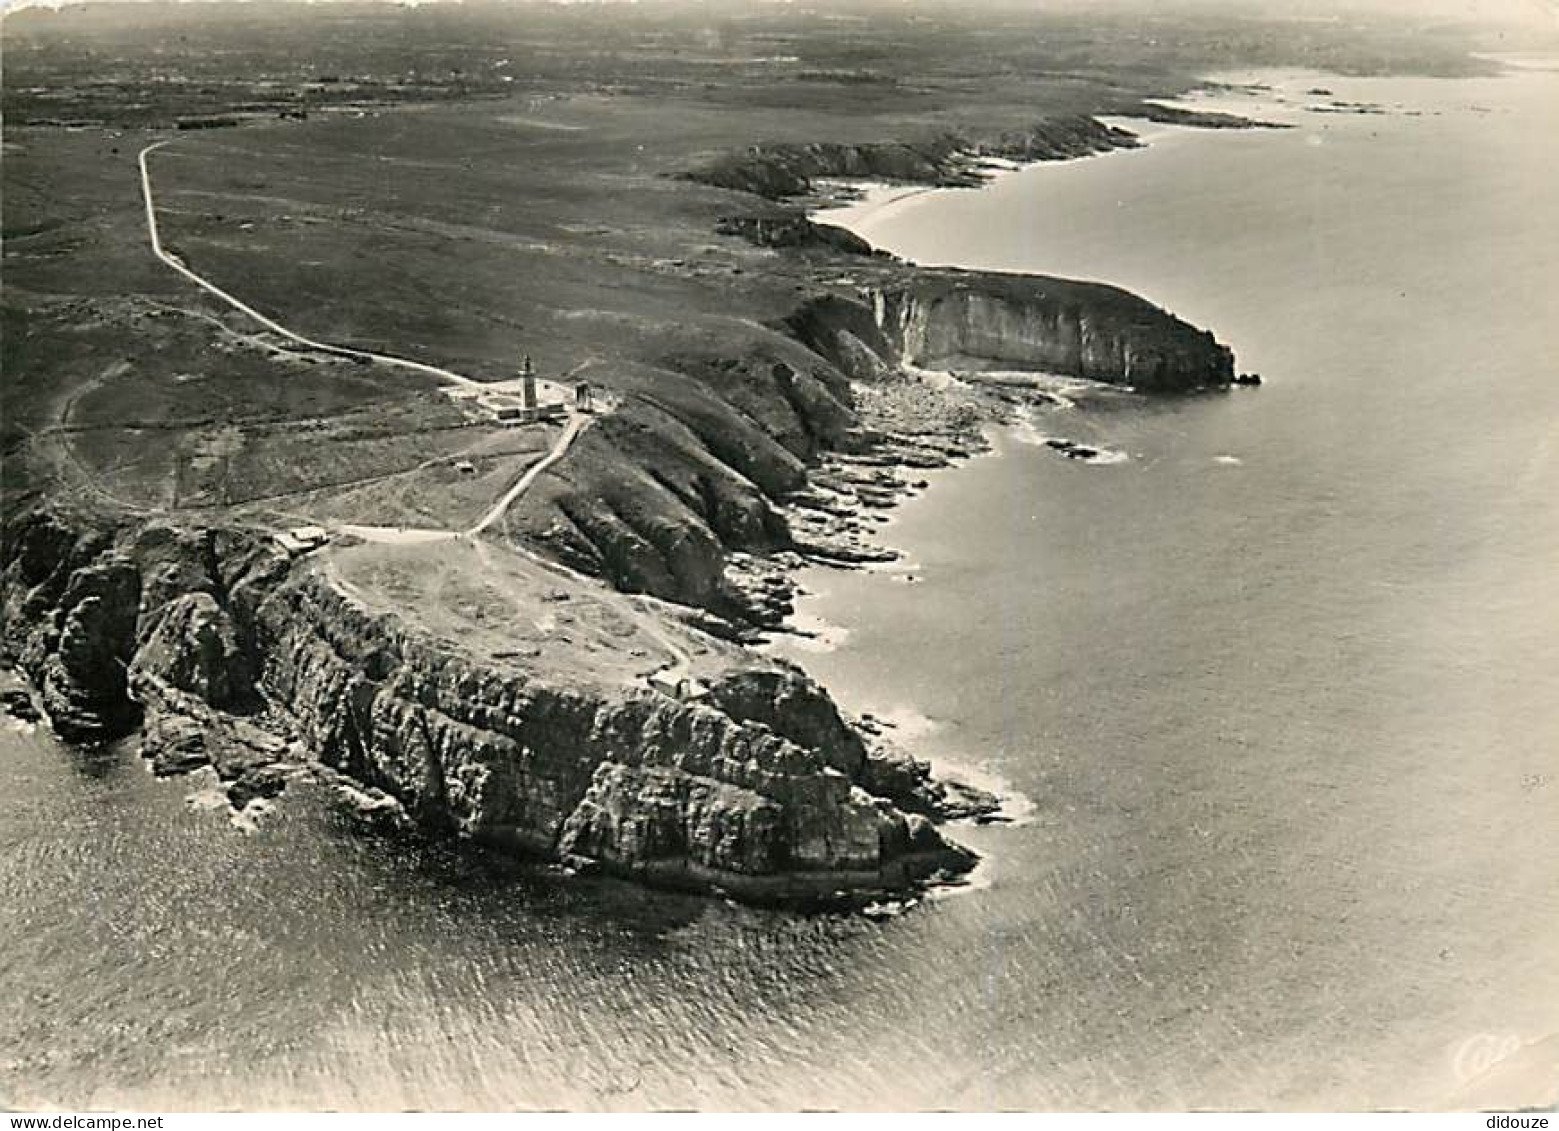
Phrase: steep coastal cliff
x=942 y=318
x=225 y=652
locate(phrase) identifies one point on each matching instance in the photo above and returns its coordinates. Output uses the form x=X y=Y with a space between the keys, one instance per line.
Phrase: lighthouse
x=528 y=385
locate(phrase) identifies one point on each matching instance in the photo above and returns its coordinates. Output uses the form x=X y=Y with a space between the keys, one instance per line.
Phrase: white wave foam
x=209 y=795
x=1063 y=388
x=905 y=722
x=1025 y=430
x=1016 y=807
x=888 y=908
x=247 y=819
x=1228 y=461
x=908 y=726
x=812 y=633
x=1092 y=454
x=935 y=378
x=897 y=569
x=981 y=878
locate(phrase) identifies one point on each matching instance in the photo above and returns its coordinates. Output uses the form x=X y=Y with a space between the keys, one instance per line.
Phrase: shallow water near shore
x=1287 y=726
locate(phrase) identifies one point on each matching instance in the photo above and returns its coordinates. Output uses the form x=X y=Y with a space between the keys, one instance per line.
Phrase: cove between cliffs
x=219 y=649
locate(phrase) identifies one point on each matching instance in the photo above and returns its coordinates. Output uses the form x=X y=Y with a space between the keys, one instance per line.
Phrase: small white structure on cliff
x=686 y=688
x=302 y=539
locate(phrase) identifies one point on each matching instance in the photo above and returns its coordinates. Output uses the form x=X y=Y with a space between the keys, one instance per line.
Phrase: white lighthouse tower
x=528 y=386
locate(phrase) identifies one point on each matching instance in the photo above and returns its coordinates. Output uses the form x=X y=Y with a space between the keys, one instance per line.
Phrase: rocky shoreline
x=820 y=175
x=231 y=657
x=910 y=421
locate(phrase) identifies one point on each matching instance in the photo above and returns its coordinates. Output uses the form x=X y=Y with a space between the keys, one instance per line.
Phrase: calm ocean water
x=1281 y=688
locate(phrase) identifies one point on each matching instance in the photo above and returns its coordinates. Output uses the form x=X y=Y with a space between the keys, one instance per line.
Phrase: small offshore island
x=530 y=631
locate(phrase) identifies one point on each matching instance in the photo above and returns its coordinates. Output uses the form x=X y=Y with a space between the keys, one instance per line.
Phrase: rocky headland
x=952 y=159
x=224 y=651
x=769 y=417
x=221 y=651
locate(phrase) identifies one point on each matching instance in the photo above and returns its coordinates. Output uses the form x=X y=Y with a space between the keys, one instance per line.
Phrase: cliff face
x=641 y=783
x=694 y=467
x=90 y=608
x=705 y=459
x=938 y=318
x=1060 y=326
x=224 y=650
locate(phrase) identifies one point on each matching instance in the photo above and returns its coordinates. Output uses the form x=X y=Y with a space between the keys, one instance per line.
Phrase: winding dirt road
x=271 y=324
x=577 y=423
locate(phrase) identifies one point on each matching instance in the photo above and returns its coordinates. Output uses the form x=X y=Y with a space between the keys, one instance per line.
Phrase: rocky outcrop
x=108 y=618
x=791 y=230
x=82 y=677
x=230 y=655
x=669 y=791
x=69 y=611
x=195 y=647
x=696 y=466
x=1198 y=119
x=17 y=702
x=796 y=708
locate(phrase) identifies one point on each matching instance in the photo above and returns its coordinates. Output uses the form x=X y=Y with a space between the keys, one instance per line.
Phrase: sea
x=1272 y=693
